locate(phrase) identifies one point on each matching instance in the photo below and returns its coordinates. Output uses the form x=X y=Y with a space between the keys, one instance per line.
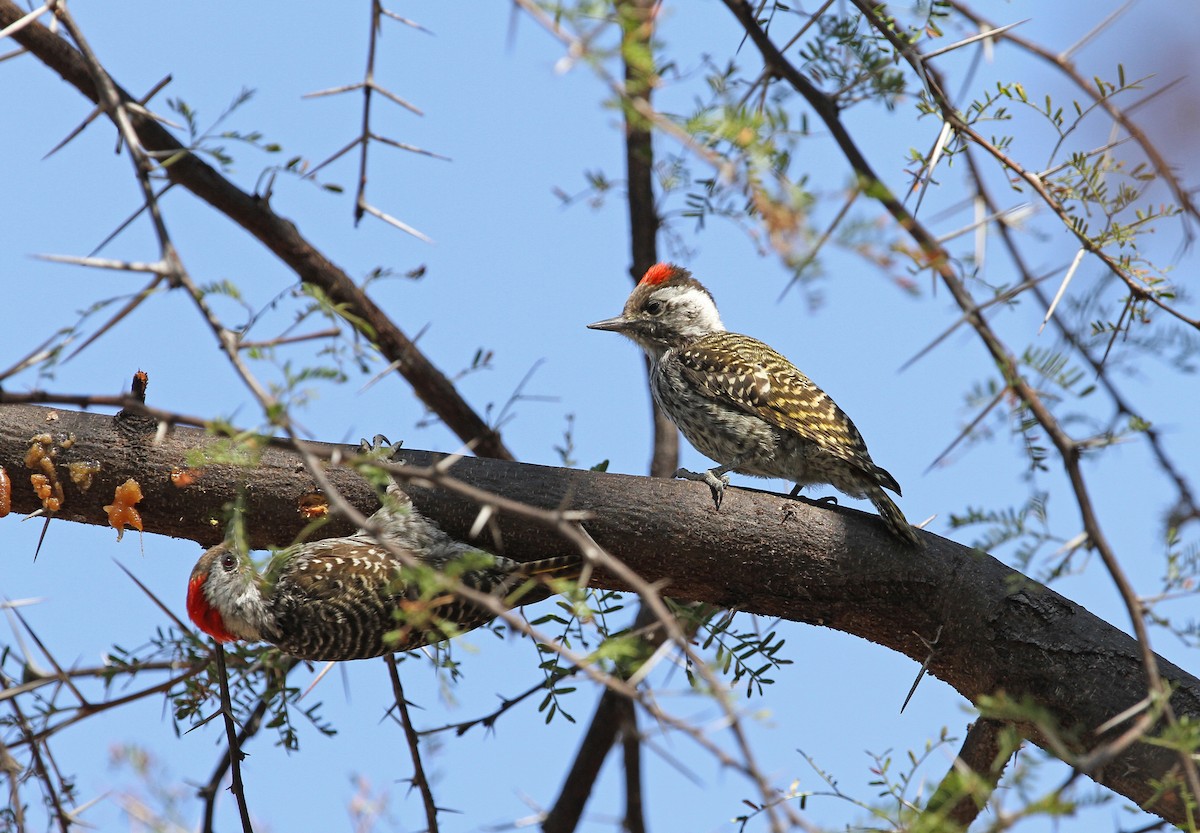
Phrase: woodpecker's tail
x=893 y=518
x=559 y=566
x=528 y=583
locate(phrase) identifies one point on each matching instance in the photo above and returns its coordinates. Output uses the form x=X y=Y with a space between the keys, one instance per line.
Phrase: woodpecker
x=351 y=598
x=743 y=404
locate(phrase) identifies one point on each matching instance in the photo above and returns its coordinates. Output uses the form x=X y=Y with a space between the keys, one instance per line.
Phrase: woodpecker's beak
x=617 y=325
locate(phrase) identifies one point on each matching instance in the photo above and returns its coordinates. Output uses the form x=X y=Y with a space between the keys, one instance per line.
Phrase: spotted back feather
x=734 y=368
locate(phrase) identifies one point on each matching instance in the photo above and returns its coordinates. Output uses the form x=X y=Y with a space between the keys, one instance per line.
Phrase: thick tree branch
x=279 y=235
x=973 y=776
x=567 y=810
x=1002 y=633
x=631 y=744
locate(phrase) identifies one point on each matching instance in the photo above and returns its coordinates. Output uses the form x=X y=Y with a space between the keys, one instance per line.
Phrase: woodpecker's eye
x=228 y=561
x=654 y=307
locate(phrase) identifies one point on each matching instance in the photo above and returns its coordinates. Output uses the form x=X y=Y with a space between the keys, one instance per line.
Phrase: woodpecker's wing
x=329 y=569
x=735 y=368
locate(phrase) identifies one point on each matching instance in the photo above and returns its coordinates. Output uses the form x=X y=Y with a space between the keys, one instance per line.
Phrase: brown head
x=668 y=308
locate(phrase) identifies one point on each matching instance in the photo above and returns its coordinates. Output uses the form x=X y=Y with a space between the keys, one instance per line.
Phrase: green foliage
x=259 y=689
x=1025 y=527
x=898 y=781
x=846 y=55
x=206 y=141
x=1027 y=712
x=230 y=448
x=552 y=704
x=566 y=451
x=1054 y=367
x=212 y=143
x=747 y=654
x=581 y=610
x=1182 y=566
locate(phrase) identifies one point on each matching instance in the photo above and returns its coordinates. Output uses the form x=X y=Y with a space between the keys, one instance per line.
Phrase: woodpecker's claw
x=716 y=482
x=828 y=499
x=380 y=446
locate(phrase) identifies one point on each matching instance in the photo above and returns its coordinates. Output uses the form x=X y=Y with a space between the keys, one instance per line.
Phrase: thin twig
x=280 y=236
x=235 y=750
x=489 y=720
x=254 y=722
x=419 y=779
x=38 y=765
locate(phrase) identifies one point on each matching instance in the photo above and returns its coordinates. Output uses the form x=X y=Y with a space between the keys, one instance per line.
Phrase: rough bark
x=1001 y=632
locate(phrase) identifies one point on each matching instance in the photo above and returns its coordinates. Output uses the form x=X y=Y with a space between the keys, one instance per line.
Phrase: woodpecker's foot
x=380 y=447
x=382 y=450
x=716 y=482
x=829 y=499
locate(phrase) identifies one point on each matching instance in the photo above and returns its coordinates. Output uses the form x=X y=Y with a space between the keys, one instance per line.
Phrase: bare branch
x=235 y=752
x=277 y=234
x=413 y=741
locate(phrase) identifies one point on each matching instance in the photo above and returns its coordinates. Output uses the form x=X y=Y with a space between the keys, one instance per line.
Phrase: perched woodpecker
x=350 y=598
x=743 y=404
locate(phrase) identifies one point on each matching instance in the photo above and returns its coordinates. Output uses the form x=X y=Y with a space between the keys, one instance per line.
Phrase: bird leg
x=716 y=478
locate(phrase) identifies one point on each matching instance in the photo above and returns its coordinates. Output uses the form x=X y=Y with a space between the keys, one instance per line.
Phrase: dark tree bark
x=1001 y=632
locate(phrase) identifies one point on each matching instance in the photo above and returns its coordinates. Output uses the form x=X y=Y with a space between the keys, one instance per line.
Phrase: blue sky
x=514 y=271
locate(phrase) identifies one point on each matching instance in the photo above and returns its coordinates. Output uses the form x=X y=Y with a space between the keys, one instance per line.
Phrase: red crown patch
x=659 y=273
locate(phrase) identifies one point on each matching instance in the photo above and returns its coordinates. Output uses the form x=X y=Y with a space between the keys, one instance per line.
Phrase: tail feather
x=528 y=584
x=885 y=479
x=555 y=567
x=893 y=518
